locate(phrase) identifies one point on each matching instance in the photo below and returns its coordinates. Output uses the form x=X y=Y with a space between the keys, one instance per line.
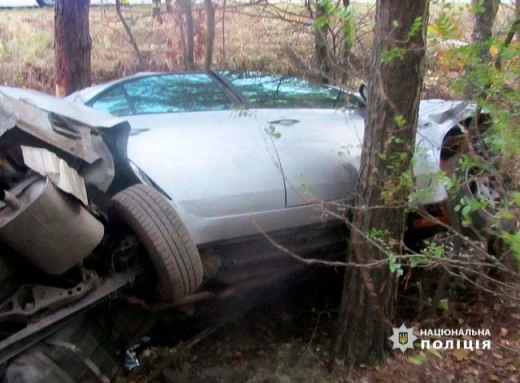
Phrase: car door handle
x=284 y=122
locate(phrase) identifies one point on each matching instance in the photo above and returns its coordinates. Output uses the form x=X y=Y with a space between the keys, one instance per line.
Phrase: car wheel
x=46 y=3
x=163 y=234
x=482 y=186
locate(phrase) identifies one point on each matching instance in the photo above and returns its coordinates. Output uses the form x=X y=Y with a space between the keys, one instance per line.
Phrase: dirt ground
x=288 y=340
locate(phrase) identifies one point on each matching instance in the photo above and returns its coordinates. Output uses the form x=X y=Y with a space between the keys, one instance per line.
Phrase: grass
x=261 y=38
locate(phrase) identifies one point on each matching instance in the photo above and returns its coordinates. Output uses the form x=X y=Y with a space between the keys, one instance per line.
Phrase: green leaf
x=418 y=359
x=435 y=352
x=443 y=304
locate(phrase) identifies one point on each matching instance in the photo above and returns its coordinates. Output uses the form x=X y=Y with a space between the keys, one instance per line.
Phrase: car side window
x=113 y=102
x=279 y=91
x=186 y=92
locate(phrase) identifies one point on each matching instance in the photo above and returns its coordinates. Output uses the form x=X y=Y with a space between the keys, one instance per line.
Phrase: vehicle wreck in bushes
x=170 y=211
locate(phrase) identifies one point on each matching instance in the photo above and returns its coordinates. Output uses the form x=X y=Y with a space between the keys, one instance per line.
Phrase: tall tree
x=368 y=301
x=321 y=50
x=186 y=7
x=347 y=42
x=72 y=46
x=485 y=12
x=210 y=35
x=518 y=18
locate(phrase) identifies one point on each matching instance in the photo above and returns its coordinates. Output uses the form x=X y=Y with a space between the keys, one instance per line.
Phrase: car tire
x=159 y=228
x=483 y=221
x=46 y=3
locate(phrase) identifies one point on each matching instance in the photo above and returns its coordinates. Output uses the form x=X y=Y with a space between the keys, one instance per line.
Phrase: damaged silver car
x=177 y=203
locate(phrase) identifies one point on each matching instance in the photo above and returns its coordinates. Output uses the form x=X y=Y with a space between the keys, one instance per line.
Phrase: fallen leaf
x=461 y=354
x=435 y=352
x=503 y=331
x=515 y=316
x=493 y=378
x=418 y=359
x=497 y=355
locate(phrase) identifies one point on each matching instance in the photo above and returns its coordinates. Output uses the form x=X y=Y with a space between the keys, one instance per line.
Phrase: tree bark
x=156 y=8
x=210 y=35
x=368 y=302
x=320 y=43
x=72 y=46
x=486 y=11
x=187 y=9
x=169 y=6
x=518 y=17
x=347 y=44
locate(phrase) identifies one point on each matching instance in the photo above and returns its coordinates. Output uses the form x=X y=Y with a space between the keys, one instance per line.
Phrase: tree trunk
x=518 y=17
x=210 y=35
x=156 y=8
x=320 y=43
x=169 y=6
x=368 y=301
x=72 y=46
x=486 y=11
x=187 y=9
x=347 y=44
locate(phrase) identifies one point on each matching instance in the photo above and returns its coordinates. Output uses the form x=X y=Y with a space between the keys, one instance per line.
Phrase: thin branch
x=130 y=35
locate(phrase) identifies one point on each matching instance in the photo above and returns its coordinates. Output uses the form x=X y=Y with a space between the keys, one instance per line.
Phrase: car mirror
x=363 y=91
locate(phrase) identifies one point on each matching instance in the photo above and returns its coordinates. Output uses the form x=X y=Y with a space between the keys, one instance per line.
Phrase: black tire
x=46 y=3
x=159 y=228
x=484 y=222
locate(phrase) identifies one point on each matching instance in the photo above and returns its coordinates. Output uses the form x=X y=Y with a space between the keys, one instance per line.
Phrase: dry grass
x=256 y=38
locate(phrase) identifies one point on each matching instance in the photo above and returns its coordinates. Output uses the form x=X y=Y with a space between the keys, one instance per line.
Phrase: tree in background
x=347 y=40
x=368 y=302
x=210 y=34
x=485 y=12
x=72 y=46
x=321 y=24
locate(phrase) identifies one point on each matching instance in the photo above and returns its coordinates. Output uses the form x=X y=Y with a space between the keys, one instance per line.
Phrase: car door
x=317 y=131
x=212 y=159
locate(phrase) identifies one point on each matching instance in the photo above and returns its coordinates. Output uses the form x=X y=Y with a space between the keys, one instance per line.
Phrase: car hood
x=77 y=112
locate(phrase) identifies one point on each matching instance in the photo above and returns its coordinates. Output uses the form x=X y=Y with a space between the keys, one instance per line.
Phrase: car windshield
x=280 y=91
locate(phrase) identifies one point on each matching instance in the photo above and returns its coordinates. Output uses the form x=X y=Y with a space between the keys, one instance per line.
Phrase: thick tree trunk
x=210 y=35
x=72 y=46
x=320 y=43
x=482 y=32
x=347 y=44
x=368 y=301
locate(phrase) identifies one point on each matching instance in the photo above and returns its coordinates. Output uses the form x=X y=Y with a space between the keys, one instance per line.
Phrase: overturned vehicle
x=95 y=209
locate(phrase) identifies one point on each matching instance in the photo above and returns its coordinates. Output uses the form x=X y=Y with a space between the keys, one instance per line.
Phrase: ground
x=288 y=340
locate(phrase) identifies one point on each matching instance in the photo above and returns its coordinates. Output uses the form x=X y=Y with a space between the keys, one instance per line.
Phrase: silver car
x=239 y=152
x=220 y=179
